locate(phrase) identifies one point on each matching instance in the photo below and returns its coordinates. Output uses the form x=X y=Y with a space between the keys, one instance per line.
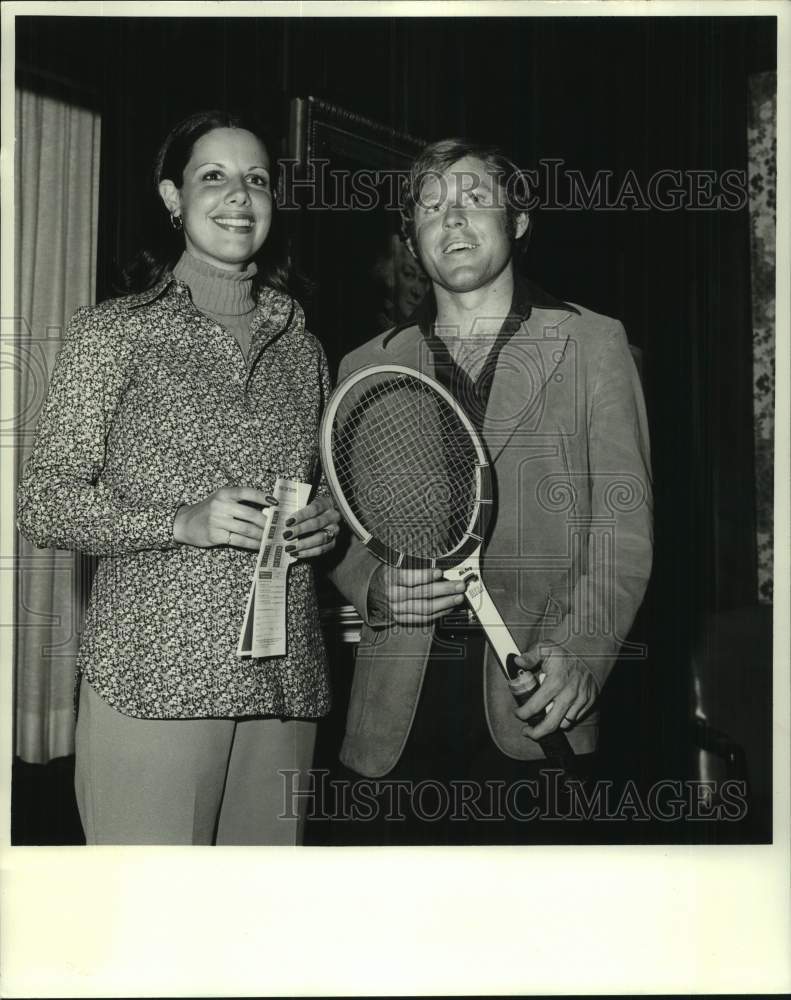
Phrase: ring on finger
x=329 y=532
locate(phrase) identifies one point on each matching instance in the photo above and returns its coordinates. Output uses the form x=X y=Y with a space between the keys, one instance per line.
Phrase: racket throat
x=474 y=591
x=485 y=610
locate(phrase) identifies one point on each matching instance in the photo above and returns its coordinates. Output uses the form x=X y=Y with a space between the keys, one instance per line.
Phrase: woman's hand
x=229 y=516
x=312 y=530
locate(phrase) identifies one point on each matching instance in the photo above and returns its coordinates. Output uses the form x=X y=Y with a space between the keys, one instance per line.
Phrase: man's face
x=461 y=232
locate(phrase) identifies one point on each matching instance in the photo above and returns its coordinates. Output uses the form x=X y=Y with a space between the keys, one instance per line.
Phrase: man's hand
x=568 y=689
x=411 y=596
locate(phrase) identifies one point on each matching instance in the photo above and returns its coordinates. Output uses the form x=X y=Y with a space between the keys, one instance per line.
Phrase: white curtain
x=56 y=209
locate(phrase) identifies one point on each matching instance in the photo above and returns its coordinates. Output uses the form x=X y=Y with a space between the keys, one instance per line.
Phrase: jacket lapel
x=526 y=364
x=408 y=347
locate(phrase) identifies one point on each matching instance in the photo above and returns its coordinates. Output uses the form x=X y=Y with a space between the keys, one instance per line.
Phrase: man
x=556 y=396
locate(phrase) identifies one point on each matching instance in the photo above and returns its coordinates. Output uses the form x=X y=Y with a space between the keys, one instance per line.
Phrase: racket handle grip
x=523 y=684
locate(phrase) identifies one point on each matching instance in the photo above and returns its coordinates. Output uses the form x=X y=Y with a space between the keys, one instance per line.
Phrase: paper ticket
x=264 y=627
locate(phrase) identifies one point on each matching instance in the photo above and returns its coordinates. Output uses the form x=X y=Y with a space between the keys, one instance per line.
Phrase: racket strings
x=406 y=465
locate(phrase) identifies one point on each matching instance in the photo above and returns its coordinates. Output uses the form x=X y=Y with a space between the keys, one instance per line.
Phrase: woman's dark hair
x=440 y=156
x=165 y=244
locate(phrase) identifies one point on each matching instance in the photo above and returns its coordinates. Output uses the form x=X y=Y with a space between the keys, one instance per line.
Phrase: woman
x=170 y=415
x=402 y=282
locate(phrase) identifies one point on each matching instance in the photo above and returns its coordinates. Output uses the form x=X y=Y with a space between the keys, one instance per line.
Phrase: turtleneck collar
x=214 y=290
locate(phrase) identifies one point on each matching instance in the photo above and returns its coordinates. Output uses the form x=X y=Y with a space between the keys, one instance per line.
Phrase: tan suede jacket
x=570 y=550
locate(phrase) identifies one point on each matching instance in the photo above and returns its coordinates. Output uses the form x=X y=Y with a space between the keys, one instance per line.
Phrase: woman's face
x=225 y=199
x=411 y=282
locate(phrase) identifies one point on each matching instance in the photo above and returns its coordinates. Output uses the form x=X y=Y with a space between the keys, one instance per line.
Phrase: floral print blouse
x=151 y=405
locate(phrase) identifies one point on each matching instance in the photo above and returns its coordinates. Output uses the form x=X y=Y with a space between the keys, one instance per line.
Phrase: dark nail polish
x=288 y=534
x=272 y=501
x=289 y=522
x=290 y=548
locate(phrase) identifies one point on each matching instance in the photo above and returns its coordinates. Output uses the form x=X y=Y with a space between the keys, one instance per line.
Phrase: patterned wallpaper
x=762 y=149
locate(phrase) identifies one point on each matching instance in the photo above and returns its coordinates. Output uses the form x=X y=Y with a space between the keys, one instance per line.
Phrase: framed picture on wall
x=345 y=172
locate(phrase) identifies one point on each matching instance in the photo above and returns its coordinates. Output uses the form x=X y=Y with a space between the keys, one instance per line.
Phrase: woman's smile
x=242 y=223
x=225 y=199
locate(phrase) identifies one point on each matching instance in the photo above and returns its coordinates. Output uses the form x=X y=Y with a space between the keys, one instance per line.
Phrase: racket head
x=406 y=467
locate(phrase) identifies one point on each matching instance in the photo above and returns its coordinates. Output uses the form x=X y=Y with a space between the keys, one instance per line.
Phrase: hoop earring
x=176 y=222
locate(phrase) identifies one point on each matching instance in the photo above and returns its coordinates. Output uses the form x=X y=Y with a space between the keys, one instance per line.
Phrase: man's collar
x=527 y=296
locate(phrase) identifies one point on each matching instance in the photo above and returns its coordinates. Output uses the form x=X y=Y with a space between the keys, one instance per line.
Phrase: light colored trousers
x=189 y=781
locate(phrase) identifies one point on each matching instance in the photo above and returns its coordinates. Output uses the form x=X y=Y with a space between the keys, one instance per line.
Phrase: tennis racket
x=410 y=476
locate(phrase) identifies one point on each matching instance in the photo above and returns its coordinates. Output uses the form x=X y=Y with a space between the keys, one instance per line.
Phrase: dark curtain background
x=639 y=94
